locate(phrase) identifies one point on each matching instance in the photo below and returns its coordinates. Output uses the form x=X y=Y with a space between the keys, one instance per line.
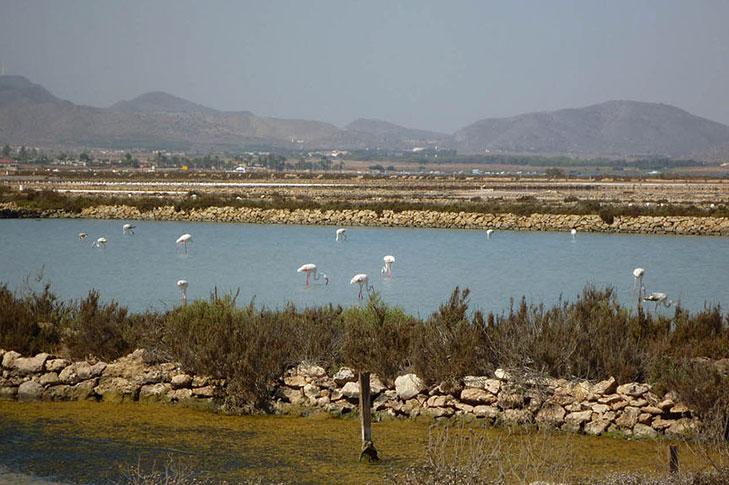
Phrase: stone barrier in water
x=631 y=409
x=676 y=225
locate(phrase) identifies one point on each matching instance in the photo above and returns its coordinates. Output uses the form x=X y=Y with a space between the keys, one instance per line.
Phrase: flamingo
x=659 y=298
x=99 y=243
x=488 y=233
x=182 y=285
x=128 y=229
x=388 y=266
x=310 y=269
x=82 y=236
x=341 y=235
x=574 y=233
x=183 y=240
x=638 y=277
x=361 y=280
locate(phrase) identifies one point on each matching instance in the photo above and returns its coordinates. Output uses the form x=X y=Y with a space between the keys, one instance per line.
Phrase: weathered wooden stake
x=673 y=459
x=365 y=415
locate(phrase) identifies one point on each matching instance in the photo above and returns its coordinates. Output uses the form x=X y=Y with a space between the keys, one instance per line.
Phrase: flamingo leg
x=307 y=278
x=360 y=292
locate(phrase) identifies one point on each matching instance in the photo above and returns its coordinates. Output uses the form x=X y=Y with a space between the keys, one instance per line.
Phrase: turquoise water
x=141 y=271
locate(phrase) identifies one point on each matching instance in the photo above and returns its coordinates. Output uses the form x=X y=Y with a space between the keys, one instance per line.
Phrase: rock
x=56 y=365
x=311 y=371
x=679 y=408
x=180 y=394
x=295 y=381
x=551 y=415
x=581 y=390
x=117 y=389
x=181 y=380
x=633 y=389
x=9 y=359
x=683 y=427
x=645 y=418
x=311 y=391
x=57 y=393
x=83 y=390
x=518 y=416
x=49 y=379
x=597 y=427
x=294 y=396
x=8 y=393
x=200 y=381
x=351 y=390
x=477 y=396
x=30 y=365
x=644 y=431
x=411 y=407
x=660 y=423
x=408 y=386
x=68 y=375
x=605 y=387
x=439 y=401
x=666 y=404
x=600 y=408
x=510 y=399
x=483 y=382
x=154 y=392
x=652 y=410
x=573 y=421
x=86 y=371
x=439 y=412
x=376 y=385
x=628 y=418
x=207 y=391
x=30 y=391
x=502 y=375
x=344 y=375
x=490 y=412
x=150 y=377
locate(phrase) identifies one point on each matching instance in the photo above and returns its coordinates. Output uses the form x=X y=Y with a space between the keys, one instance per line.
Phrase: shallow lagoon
x=140 y=271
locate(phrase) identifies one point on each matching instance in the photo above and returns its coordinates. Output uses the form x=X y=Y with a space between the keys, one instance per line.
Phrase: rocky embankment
x=578 y=406
x=387 y=218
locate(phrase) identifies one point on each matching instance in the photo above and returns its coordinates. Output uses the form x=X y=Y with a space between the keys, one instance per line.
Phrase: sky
x=422 y=64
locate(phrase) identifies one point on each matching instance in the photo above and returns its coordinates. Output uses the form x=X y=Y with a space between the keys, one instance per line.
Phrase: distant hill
x=30 y=115
x=621 y=128
x=159 y=102
x=390 y=134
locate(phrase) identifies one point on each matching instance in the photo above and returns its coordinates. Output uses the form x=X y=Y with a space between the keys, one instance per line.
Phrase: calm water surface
x=140 y=271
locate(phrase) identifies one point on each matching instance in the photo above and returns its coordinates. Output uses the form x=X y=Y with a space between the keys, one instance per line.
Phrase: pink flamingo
x=361 y=280
x=388 y=266
x=310 y=269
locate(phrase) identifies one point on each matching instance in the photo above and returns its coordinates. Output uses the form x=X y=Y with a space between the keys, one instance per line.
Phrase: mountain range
x=31 y=115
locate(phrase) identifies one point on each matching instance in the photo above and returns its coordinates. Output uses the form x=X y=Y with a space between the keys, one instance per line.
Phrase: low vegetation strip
x=664 y=361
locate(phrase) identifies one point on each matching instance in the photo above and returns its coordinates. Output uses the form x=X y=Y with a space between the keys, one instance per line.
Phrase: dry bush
x=31 y=323
x=449 y=346
x=377 y=339
x=248 y=347
x=468 y=456
x=99 y=329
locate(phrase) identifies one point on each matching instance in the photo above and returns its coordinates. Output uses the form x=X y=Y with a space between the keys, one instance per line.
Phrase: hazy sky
x=422 y=64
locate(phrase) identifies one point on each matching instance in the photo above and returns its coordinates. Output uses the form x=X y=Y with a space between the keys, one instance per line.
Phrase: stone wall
x=387 y=218
x=578 y=406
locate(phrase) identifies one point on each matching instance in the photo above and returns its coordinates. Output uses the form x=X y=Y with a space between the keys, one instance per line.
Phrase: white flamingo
x=341 y=235
x=388 y=266
x=82 y=236
x=182 y=285
x=361 y=280
x=574 y=233
x=659 y=298
x=183 y=240
x=99 y=243
x=638 y=281
x=310 y=269
x=488 y=233
x=127 y=229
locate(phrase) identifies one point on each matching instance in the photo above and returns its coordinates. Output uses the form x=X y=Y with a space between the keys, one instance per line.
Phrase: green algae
x=102 y=437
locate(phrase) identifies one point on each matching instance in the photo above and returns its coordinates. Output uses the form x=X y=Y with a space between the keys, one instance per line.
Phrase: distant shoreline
x=668 y=225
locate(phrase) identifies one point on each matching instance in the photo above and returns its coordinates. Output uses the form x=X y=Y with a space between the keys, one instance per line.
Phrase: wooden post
x=365 y=415
x=673 y=459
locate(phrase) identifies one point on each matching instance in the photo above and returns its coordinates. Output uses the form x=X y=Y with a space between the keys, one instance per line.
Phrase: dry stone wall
x=387 y=218
x=630 y=409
